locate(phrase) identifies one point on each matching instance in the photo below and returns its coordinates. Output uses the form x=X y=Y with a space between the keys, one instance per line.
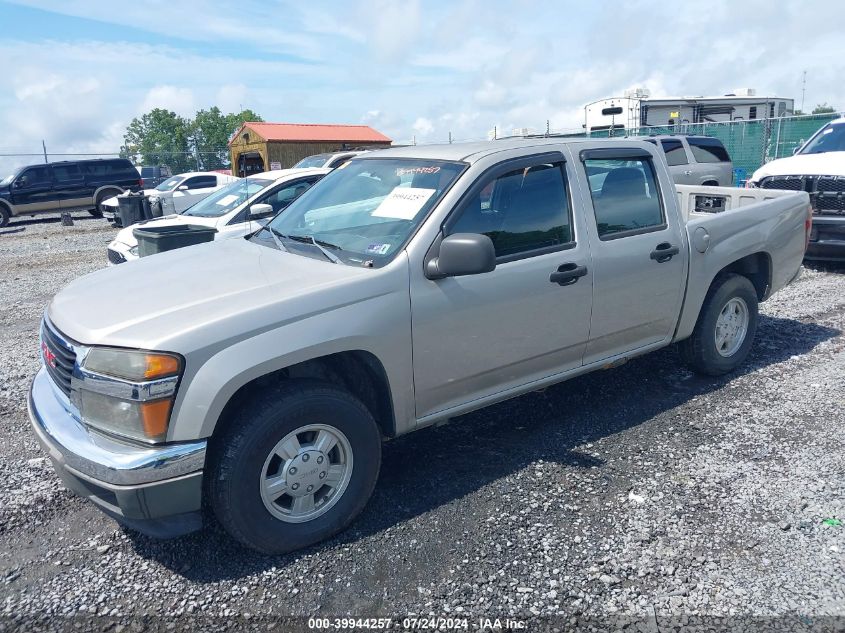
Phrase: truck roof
x=472 y=152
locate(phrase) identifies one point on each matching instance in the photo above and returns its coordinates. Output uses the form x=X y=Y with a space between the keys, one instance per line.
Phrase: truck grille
x=59 y=358
x=115 y=257
x=827 y=193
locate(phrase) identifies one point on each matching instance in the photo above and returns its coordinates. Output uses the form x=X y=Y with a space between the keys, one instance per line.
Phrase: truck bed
x=724 y=224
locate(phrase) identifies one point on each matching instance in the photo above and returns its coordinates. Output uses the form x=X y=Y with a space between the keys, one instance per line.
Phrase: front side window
x=366 y=210
x=34 y=176
x=521 y=211
x=227 y=198
x=627 y=199
x=675 y=152
x=708 y=150
x=285 y=195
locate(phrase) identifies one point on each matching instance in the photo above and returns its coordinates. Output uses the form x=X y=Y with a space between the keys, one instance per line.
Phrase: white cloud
x=423 y=127
x=179 y=100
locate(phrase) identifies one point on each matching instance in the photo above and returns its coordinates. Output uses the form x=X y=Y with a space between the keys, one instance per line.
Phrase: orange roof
x=316 y=132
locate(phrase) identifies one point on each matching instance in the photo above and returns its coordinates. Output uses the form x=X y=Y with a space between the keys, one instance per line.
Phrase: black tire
x=238 y=455
x=5 y=216
x=108 y=193
x=699 y=351
x=96 y=213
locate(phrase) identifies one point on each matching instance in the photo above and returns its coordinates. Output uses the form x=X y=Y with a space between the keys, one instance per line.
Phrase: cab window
x=626 y=199
x=521 y=211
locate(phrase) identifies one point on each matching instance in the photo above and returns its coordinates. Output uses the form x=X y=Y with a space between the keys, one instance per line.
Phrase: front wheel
x=5 y=216
x=294 y=467
x=725 y=329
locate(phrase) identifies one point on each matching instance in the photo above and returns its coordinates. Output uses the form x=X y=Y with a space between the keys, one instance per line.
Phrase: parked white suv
x=329 y=160
x=177 y=193
x=233 y=210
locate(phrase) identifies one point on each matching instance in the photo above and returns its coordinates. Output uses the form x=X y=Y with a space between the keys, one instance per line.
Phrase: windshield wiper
x=273 y=233
x=309 y=239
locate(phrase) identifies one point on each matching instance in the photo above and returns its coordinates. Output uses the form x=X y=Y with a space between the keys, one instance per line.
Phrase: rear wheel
x=99 y=199
x=726 y=327
x=295 y=467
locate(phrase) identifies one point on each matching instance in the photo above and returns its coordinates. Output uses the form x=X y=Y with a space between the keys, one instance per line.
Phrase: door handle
x=567 y=274
x=664 y=252
x=688 y=172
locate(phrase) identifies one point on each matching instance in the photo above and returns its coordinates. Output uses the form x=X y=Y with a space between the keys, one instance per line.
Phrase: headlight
x=134 y=250
x=129 y=393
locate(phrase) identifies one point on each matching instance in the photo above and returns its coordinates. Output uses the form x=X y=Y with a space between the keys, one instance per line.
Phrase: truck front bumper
x=827 y=239
x=156 y=490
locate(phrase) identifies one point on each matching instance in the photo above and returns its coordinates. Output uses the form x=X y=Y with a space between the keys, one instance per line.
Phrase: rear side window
x=95 y=168
x=64 y=173
x=708 y=150
x=626 y=199
x=521 y=211
x=201 y=182
x=675 y=152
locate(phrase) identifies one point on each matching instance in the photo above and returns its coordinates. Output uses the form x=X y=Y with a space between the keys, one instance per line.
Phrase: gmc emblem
x=49 y=357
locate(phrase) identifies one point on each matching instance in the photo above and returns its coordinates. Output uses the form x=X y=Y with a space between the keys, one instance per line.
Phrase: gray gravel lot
x=643 y=492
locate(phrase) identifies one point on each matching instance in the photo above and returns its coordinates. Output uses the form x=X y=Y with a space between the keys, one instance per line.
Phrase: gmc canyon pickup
x=259 y=376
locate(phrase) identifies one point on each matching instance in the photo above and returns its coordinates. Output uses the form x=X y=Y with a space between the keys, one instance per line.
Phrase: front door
x=32 y=191
x=639 y=257
x=477 y=335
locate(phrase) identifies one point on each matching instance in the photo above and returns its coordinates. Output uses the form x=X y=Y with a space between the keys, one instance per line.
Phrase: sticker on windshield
x=401 y=171
x=378 y=249
x=227 y=200
x=403 y=203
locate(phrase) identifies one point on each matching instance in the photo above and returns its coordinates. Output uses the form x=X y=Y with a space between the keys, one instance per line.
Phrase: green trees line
x=162 y=137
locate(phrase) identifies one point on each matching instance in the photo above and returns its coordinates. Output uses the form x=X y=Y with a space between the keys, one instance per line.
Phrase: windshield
x=7 y=180
x=366 y=210
x=317 y=160
x=830 y=139
x=170 y=183
x=227 y=198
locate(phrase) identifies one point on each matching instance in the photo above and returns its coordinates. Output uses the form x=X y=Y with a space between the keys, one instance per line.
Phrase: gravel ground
x=644 y=496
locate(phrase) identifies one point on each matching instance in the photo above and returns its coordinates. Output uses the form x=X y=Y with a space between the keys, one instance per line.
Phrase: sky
x=75 y=72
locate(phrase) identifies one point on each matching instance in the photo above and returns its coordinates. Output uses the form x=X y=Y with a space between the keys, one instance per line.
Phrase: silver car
x=696 y=160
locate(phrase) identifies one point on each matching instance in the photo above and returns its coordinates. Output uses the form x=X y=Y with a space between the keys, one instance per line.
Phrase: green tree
x=823 y=108
x=159 y=137
x=210 y=134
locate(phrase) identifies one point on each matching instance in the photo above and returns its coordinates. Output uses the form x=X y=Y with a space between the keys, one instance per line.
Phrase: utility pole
x=450 y=137
x=44 y=147
x=414 y=139
x=803 y=91
x=548 y=129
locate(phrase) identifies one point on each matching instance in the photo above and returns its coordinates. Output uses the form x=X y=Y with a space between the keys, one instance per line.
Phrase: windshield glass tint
x=169 y=184
x=7 y=180
x=318 y=160
x=227 y=198
x=366 y=209
x=830 y=139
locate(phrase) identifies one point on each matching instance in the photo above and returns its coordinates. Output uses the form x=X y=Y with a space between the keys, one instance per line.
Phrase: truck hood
x=824 y=164
x=188 y=298
x=125 y=235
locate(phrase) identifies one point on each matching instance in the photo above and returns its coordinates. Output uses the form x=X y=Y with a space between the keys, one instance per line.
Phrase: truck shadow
x=439 y=465
x=18 y=225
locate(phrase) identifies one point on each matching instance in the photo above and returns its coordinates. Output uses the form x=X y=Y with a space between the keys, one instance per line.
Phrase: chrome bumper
x=155 y=490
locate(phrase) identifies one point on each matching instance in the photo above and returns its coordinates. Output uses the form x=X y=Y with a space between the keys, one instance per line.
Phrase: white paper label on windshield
x=227 y=200
x=403 y=203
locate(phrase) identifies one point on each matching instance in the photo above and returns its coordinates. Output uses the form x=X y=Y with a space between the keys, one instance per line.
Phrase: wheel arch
x=8 y=206
x=357 y=371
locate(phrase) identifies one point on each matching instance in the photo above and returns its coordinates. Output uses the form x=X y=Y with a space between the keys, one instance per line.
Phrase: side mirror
x=182 y=188
x=260 y=211
x=462 y=254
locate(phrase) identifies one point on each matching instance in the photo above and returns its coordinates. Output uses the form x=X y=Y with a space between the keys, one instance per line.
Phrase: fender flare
x=103 y=188
x=9 y=207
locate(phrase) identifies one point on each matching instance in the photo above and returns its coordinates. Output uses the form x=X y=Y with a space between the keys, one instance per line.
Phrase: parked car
x=71 y=185
x=236 y=209
x=695 y=160
x=330 y=160
x=154 y=175
x=258 y=376
x=818 y=167
x=177 y=193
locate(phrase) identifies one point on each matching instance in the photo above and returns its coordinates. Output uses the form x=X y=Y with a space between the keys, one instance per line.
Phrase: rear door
x=69 y=186
x=639 y=255
x=477 y=335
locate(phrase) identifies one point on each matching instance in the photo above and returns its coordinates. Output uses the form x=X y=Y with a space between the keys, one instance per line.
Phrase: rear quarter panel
x=772 y=227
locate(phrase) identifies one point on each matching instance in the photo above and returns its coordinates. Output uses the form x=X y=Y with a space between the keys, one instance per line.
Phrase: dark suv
x=72 y=185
